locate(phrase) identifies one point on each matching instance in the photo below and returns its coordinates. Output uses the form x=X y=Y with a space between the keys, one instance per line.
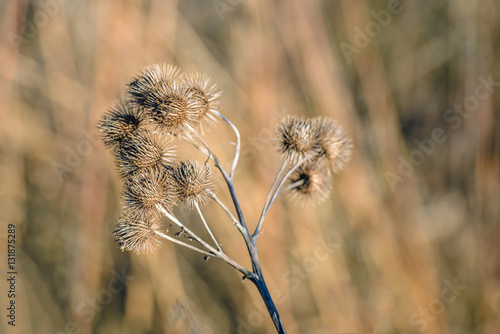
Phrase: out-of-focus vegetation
x=408 y=241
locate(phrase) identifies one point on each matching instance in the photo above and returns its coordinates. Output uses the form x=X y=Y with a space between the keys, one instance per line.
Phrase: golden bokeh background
x=408 y=242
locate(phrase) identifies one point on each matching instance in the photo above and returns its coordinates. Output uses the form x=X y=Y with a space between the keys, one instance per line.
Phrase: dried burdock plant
x=143 y=194
x=121 y=123
x=192 y=183
x=206 y=96
x=332 y=143
x=310 y=183
x=295 y=138
x=163 y=107
x=146 y=151
x=138 y=235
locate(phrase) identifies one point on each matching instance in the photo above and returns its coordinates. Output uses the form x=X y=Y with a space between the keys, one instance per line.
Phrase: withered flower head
x=120 y=123
x=310 y=183
x=192 y=182
x=139 y=236
x=172 y=109
x=206 y=96
x=144 y=191
x=151 y=78
x=332 y=143
x=146 y=151
x=295 y=138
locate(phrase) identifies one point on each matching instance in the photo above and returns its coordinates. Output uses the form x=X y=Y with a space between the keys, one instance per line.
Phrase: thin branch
x=191 y=233
x=229 y=213
x=207 y=151
x=238 y=143
x=275 y=194
x=291 y=186
x=215 y=253
x=263 y=214
x=206 y=226
x=174 y=240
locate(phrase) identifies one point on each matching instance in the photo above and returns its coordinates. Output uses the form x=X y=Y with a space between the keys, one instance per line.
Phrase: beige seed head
x=139 y=236
x=206 y=97
x=144 y=191
x=151 y=78
x=192 y=183
x=120 y=123
x=172 y=109
x=332 y=143
x=295 y=138
x=146 y=151
x=310 y=183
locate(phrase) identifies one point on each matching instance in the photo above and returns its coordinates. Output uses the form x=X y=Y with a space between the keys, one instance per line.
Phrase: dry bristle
x=192 y=182
x=120 y=123
x=144 y=191
x=151 y=79
x=137 y=235
x=310 y=183
x=295 y=138
x=146 y=151
x=332 y=143
x=171 y=108
x=205 y=95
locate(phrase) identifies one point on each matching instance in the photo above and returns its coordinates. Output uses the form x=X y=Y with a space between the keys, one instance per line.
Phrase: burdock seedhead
x=133 y=234
x=206 y=97
x=192 y=183
x=151 y=78
x=310 y=183
x=295 y=138
x=332 y=143
x=146 y=151
x=144 y=191
x=120 y=123
x=172 y=109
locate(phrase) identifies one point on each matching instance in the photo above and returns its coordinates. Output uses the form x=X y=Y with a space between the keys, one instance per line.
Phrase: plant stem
x=166 y=236
x=207 y=227
x=264 y=211
x=271 y=308
x=258 y=280
x=238 y=143
x=255 y=275
x=273 y=193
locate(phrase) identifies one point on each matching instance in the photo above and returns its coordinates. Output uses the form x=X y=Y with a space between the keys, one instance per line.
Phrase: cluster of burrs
x=317 y=147
x=163 y=106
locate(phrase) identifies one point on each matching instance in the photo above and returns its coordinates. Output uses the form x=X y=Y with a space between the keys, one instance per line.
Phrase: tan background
x=393 y=250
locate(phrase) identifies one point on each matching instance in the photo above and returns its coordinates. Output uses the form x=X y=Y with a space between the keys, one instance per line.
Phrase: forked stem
x=174 y=240
x=206 y=226
x=213 y=252
x=230 y=215
x=264 y=209
x=273 y=193
x=250 y=239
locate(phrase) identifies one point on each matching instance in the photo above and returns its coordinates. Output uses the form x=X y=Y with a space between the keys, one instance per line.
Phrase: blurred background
x=408 y=242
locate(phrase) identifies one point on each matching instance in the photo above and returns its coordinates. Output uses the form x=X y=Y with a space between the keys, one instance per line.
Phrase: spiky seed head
x=171 y=108
x=310 y=183
x=332 y=143
x=295 y=138
x=120 y=123
x=144 y=191
x=192 y=183
x=151 y=79
x=138 y=235
x=206 y=96
x=146 y=151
